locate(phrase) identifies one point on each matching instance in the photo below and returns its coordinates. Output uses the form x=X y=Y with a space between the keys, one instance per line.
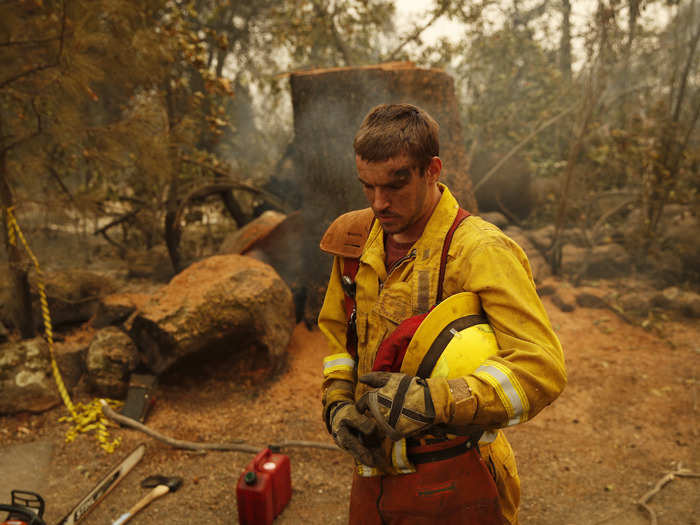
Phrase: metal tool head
x=172 y=482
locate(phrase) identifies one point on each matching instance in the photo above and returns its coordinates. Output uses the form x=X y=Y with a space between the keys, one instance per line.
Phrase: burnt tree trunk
x=329 y=105
x=21 y=306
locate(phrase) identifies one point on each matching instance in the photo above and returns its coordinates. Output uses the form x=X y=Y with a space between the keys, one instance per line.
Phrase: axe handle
x=157 y=492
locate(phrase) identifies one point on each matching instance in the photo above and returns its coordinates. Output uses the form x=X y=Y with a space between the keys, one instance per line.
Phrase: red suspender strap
x=461 y=215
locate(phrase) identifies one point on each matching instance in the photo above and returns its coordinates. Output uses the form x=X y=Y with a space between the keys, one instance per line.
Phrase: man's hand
x=401 y=404
x=357 y=434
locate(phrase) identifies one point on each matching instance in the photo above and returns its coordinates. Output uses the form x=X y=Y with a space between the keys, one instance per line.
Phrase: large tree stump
x=329 y=105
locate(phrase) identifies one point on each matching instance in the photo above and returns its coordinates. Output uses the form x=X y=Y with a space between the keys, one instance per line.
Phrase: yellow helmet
x=452 y=341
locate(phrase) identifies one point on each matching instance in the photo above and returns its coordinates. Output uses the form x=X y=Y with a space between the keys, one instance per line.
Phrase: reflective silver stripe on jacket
x=399 y=457
x=508 y=389
x=367 y=472
x=336 y=362
x=489 y=436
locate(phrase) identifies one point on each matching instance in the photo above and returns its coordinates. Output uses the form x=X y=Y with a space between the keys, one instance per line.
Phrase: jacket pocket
x=394 y=304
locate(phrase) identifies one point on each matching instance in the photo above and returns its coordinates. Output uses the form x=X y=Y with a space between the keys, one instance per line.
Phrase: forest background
x=115 y=113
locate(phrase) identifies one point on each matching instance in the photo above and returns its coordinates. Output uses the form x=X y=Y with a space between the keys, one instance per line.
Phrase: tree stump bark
x=329 y=105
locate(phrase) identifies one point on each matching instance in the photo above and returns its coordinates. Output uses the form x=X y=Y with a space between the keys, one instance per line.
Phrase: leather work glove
x=402 y=405
x=357 y=434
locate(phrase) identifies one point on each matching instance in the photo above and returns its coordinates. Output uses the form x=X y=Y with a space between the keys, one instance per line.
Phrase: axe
x=161 y=486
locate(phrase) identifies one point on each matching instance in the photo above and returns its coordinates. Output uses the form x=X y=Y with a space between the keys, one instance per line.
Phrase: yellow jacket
x=528 y=372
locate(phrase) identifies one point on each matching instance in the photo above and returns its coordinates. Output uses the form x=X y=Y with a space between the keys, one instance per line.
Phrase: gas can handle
x=261 y=458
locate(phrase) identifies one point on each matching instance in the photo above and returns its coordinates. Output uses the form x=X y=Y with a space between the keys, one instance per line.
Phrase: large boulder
x=26 y=379
x=222 y=303
x=111 y=358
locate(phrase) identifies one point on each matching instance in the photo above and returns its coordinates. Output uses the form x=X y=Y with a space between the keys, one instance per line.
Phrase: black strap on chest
x=439 y=344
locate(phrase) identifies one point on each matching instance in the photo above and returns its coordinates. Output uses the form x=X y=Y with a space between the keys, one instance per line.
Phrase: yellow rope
x=84 y=417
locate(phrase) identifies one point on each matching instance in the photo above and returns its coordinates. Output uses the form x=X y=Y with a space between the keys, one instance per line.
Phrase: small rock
x=572 y=258
x=542 y=237
x=608 y=260
x=548 y=286
x=26 y=380
x=565 y=304
x=114 y=309
x=546 y=289
x=590 y=298
x=602 y=261
x=111 y=357
x=495 y=218
x=667 y=298
x=636 y=303
x=539 y=265
x=690 y=304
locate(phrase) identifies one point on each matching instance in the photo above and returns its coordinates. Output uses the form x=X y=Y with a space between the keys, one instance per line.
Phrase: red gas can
x=264 y=488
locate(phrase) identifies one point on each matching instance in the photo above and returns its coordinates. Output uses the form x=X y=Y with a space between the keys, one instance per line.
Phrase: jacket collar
x=428 y=246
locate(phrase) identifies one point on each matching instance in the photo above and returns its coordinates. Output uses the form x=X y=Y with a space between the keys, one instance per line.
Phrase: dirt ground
x=627 y=417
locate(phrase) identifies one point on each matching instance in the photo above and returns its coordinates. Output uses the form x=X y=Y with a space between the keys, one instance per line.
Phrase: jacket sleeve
x=528 y=372
x=338 y=365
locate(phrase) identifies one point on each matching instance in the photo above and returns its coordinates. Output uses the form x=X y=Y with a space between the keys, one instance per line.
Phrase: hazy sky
x=409 y=11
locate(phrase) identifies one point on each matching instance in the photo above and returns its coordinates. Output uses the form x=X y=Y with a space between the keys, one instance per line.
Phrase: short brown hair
x=389 y=130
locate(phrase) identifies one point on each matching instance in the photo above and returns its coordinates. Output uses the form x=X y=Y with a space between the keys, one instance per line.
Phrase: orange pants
x=459 y=490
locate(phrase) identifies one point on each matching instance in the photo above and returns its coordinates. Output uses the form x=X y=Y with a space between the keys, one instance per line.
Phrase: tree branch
x=123 y=218
x=60 y=183
x=236 y=446
x=55 y=63
x=36 y=42
x=680 y=473
x=231 y=180
x=686 y=73
x=522 y=143
x=689 y=132
x=36 y=132
x=324 y=15
x=416 y=33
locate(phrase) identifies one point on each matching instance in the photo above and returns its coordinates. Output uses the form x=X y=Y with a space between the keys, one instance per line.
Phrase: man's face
x=401 y=197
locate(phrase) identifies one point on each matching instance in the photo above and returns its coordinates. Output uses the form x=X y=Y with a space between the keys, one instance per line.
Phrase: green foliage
x=511 y=84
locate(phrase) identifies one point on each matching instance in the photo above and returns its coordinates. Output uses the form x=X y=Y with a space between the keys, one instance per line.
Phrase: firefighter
x=438 y=339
